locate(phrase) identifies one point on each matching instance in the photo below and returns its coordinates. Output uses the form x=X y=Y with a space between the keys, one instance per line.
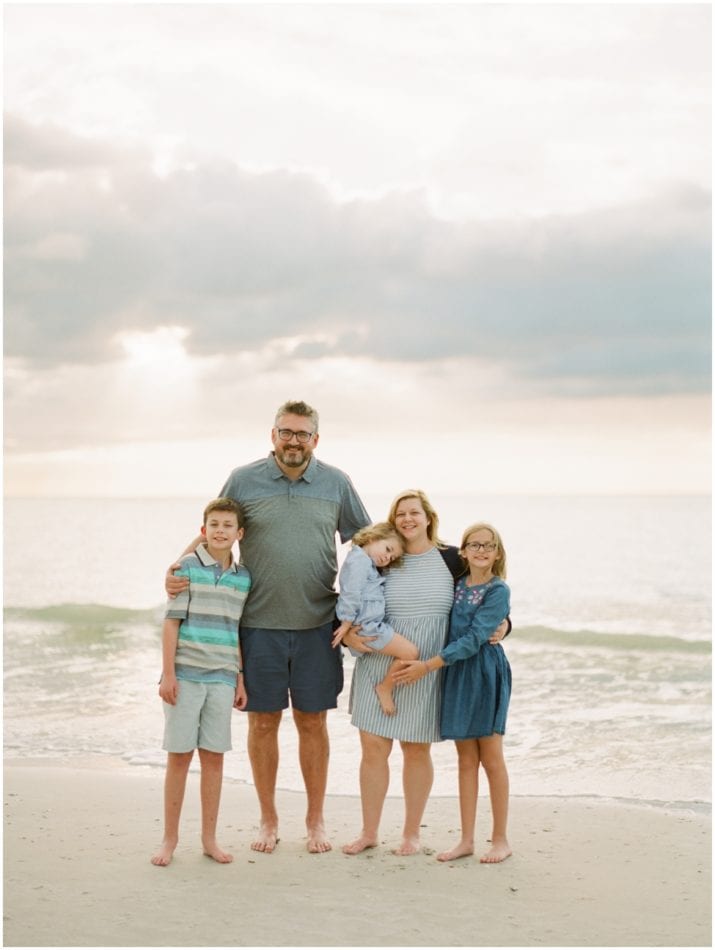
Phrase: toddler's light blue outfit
x=362 y=598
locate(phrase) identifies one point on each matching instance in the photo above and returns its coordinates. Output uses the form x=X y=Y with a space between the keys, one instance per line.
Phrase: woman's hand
x=174 y=585
x=500 y=632
x=409 y=672
x=360 y=644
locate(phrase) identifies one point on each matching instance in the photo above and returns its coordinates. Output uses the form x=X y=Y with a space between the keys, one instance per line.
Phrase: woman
x=418 y=599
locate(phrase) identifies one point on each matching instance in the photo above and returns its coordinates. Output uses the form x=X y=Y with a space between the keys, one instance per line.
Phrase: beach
x=78 y=837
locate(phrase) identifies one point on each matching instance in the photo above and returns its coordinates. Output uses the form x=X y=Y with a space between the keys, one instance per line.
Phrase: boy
x=202 y=675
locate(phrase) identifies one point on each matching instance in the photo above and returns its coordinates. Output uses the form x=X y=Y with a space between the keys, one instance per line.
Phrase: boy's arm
x=168 y=687
x=241 y=697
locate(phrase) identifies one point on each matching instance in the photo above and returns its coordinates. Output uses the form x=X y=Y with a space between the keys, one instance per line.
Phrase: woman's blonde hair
x=499 y=567
x=380 y=531
x=432 y=517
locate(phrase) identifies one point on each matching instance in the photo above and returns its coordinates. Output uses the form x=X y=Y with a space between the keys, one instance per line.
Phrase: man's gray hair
x=298 y=408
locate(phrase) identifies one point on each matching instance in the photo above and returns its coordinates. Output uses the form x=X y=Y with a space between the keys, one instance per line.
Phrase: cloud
x=98 y=244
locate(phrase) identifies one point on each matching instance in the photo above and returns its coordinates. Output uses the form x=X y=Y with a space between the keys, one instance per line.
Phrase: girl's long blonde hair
x=499 y=567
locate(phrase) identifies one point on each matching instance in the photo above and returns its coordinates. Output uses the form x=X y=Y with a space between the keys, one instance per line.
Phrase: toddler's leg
x=177 y=768
x=211 y=779
x=402 y=649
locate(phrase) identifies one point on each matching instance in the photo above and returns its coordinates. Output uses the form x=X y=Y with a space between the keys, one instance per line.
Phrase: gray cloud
x=96 y=243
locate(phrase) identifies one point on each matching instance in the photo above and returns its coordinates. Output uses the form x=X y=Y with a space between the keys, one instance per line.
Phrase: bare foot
x=408 y=846
x=361 y=843
x=317 y=840
x=499 y=851
x=212 y=850
x=462 y=850
x=384 y=694
x=267 y=840
x=163 y=856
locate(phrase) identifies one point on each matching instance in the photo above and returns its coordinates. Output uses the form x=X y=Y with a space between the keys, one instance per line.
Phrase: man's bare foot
x=317 y=840
x=462 y=850
x=360 y=844
x=212 y=850
x=267 y=840
x=499 y=851
x=408 y=846
x=163 y=856
x=384 y=694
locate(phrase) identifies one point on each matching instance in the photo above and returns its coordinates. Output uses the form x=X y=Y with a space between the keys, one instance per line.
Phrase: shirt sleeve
x=178 y=607
x=353 y=578
x=353 y=514
x=487 y=617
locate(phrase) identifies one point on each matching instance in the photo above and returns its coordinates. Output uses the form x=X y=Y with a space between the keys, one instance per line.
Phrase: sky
x=476 y=237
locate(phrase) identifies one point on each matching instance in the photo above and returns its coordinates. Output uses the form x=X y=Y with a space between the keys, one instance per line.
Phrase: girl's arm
x=353 y=578
x=487 y=617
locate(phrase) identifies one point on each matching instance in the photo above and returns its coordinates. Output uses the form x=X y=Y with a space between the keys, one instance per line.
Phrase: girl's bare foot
x=499 y=851
x=163 y=856
x=318 y=841
x=212 y=850
x=408 y=846
x=384 y=694
x=462 y=850
x=267 y=840
x=360 y=844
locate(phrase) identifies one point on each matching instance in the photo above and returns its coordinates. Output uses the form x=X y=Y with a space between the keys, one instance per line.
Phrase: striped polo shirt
x=209 y=610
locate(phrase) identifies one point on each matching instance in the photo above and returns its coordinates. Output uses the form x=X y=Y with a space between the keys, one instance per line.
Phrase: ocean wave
x=594 y=639
x=84 y=614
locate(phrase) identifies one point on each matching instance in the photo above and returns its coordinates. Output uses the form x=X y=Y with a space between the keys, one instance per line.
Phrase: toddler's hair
x=499 y=567
x=224 y=504
x=380 y=531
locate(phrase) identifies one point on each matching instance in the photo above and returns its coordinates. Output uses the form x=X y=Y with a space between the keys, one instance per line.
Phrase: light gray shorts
x=201 y=718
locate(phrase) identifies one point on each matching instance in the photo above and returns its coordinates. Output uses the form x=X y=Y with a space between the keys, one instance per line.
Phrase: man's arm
x=174 y=585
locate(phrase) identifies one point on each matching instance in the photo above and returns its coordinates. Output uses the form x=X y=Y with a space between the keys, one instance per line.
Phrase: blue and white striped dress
x=418 y=600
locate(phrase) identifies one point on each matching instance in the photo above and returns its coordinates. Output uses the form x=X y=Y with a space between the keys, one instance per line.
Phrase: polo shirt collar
x=202 y=553
x=277 y=472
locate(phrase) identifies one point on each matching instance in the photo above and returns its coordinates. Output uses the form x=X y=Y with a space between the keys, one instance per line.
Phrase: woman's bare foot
x=499 y=851
x=163 y=856
x=267 y=840
x=317 y=840
x=384 y=694
x=360 y=844
x=408 y=846
x=212 y=850
x=462 y=850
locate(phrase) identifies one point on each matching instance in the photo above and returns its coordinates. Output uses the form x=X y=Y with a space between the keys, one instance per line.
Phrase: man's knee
x=263 y=725
x=311 y=724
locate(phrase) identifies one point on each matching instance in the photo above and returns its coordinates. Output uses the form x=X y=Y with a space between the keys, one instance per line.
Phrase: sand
x=584 y=873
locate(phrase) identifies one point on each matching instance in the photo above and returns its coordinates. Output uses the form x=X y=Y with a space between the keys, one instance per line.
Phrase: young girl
x=476 y=687
x=361 y=601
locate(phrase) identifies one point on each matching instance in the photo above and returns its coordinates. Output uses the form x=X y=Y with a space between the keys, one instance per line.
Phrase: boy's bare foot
x=499 y=851
x=360 y=844
x=163 y=856
x=384 y=694
x=266 y=841
x=461 y=850
x=212 y=850
x=408 y=846
x=317 y=840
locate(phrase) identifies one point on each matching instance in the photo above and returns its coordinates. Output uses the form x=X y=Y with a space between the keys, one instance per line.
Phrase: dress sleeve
x=353 y=578
x=487 y=617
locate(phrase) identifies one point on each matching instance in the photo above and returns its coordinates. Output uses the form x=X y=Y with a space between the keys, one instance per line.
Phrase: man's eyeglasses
x=285 y=435
x=478 y=545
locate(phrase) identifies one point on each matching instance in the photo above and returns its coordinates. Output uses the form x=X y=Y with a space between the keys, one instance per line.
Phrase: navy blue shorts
x=299 y=663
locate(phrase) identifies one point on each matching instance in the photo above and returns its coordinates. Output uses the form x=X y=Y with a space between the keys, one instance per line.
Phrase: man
x=294 y=505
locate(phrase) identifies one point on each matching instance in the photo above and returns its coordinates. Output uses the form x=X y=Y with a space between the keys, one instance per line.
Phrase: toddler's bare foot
x=317 y=840
x=360 y=844
x=499 y=851
x=462 y=850
x=408 y=846
x=267 y=839
x=384 y=694
x=163 y=856
x=212 y=850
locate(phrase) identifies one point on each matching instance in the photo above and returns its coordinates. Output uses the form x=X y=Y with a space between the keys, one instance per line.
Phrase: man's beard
x=295 y=460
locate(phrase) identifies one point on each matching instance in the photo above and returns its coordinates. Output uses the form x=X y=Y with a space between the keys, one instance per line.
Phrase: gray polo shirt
x=289 y=546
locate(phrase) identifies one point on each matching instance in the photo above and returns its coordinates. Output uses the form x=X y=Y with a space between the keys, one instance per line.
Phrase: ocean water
x=610 y=651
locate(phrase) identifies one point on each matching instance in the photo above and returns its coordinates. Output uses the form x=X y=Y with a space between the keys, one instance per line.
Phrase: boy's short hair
x=224 y=504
